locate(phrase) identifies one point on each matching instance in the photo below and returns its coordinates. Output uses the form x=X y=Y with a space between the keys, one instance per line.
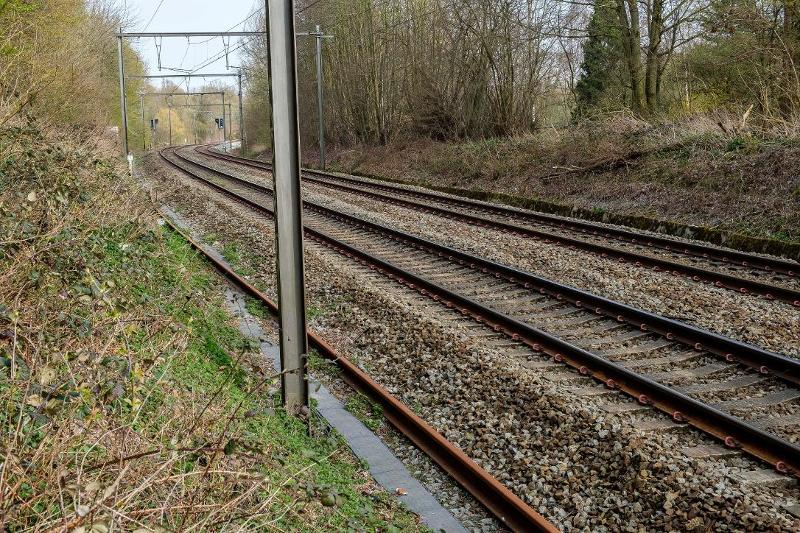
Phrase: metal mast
x=224 y=125
x=318 y=36
x=144 y=129
x=122 y=101
x=288 y=203
x=241 y=116
x=320 y=99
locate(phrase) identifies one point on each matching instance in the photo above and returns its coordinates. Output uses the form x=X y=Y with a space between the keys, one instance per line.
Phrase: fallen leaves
x=47 y=375
x=34 y=400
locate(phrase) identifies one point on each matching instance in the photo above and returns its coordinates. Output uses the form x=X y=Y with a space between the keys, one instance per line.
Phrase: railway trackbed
x=743 y=395
x=507 y=507
x=771 y=278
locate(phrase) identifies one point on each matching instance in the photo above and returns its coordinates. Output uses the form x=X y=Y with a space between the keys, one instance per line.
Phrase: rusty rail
x=503 y=504
x=696 y=273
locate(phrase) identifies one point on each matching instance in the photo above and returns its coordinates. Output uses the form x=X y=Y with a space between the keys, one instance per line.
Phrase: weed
x=313 y=312
x=256 y=308
x=125 y=395
x=370 y=413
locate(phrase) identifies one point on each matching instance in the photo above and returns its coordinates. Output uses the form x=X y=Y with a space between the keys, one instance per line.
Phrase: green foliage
x=370 y=413
x=18 y=6
x=256 y=308
x=59 y=62
x=601 y=58
x=118 y=359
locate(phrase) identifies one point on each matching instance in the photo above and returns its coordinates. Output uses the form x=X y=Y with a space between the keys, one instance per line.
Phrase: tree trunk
x=790 y=97
x=628 y=13
x=653 y=72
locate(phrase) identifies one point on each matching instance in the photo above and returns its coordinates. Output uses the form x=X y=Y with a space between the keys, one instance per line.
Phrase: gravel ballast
x=770 y=324
x=581 y=466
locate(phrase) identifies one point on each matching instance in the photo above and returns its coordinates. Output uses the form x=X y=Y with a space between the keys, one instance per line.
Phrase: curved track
x=772 y=278
x=507 y=507
x=743 y=395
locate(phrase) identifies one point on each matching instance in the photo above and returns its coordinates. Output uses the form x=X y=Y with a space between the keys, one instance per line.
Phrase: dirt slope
x=690 y=174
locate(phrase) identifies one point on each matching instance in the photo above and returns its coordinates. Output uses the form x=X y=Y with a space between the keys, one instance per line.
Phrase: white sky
x=189 y=15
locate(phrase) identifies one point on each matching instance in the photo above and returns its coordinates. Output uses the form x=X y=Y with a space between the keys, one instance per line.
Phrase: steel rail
x=732 y=431
x=731 y=350
x=504 y=504
x=697 y=274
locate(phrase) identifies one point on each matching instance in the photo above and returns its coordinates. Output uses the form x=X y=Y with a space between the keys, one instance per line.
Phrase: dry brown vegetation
x=680 y=110
x=128 y=398
x=59 y=59
x=691 y=171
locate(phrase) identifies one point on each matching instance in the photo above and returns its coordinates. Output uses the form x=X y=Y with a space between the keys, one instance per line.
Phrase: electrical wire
x=186 y=52
x=158 y=7
x=226 y=51
x=217 y=57
x=251 y=15
x=307 y=6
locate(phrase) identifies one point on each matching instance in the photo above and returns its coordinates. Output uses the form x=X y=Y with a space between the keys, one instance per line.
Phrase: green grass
x=234 y=257
x=128 y=364
x=367 y=411
x=313 y=312
x=256 y=308
x=207 y=366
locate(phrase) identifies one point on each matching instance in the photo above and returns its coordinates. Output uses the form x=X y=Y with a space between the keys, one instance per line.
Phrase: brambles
x=127 y=397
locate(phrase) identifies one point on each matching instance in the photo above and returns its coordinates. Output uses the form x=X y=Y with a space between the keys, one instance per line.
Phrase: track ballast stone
x=580 y=466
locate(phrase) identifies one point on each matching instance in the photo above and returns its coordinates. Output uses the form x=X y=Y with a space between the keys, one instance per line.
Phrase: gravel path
x=582 y=466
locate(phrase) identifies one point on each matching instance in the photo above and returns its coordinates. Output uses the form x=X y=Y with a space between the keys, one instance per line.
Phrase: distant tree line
x=461 y=69
x=58 y=62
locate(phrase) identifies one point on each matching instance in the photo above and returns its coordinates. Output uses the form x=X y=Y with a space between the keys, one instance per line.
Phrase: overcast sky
x=188 y=15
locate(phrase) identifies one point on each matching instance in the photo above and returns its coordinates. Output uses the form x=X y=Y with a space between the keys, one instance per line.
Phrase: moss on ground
x=128 y=398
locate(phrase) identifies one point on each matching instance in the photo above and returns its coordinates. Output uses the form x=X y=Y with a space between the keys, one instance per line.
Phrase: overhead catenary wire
x=158 y=7
x=226 y=51
x=226 y=45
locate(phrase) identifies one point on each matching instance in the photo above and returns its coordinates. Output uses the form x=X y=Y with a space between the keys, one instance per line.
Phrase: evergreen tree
x=601 y=55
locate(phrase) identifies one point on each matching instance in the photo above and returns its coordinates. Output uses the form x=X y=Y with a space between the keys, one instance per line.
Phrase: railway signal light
x=220 y=122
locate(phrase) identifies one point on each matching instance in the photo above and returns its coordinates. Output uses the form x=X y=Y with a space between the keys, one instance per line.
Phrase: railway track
x=507 y=507
x=771 y=278
x=744 y=396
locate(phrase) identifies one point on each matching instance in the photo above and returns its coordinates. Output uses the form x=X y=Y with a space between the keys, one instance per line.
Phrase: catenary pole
x=241 y=116
x=319 y=36
x=144 y=129
x=228 y=125
x=169 y=120
x=230 y=122
x=122 y=99
x=288 y=203
x=224 y=125
x=320 y=100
